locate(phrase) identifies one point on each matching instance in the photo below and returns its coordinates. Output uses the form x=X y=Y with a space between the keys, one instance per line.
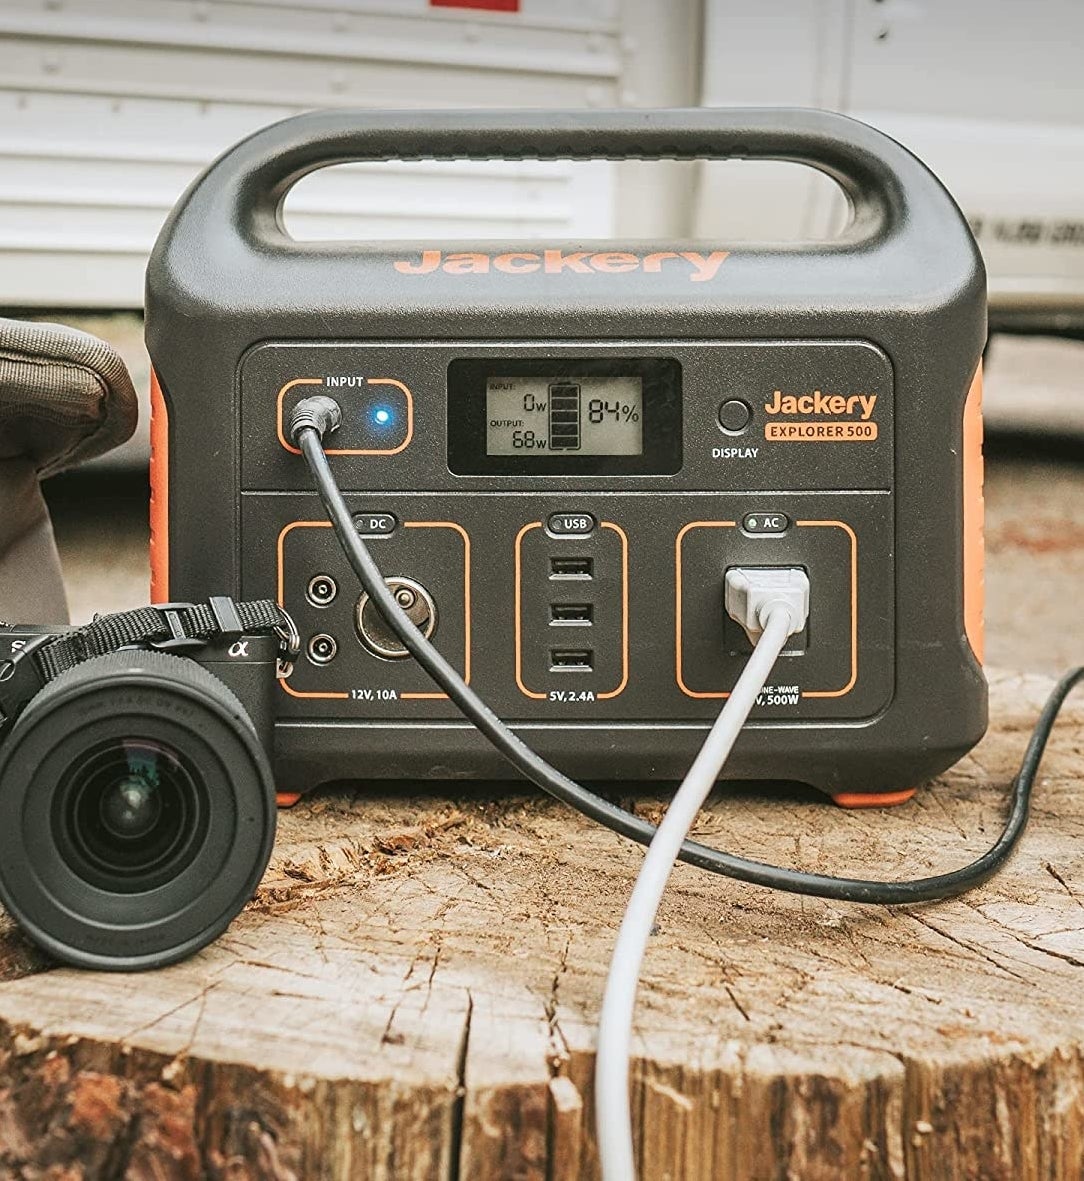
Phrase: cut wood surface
x=413 y=993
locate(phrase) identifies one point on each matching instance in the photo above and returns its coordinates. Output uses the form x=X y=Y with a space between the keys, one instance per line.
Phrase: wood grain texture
x=413 y=995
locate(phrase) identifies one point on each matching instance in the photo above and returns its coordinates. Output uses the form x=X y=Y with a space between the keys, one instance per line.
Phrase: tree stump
x=413 y=994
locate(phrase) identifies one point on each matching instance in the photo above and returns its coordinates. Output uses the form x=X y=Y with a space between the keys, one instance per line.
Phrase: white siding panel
x=774 y=53
x=989 y=93
x=108 y=108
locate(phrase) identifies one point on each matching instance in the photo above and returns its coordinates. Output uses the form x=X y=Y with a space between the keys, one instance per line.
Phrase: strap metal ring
x=290 y=645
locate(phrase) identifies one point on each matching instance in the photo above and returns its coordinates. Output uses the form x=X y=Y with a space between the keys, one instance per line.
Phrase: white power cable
x=780 y=615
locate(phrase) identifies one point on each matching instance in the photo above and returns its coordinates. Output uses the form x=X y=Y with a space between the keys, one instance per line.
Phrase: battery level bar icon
x=564 y=399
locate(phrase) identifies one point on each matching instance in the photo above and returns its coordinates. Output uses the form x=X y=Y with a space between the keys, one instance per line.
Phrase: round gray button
x=735 y=416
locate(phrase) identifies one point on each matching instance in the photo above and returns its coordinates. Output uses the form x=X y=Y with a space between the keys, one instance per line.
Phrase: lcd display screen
x=574 y=415
x=566 y=415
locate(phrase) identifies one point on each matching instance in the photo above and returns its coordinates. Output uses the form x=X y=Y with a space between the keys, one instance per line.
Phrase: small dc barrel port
x=321 y=649
x=321 y=590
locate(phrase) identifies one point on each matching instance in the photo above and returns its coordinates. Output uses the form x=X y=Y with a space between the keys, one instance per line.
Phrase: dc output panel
x=349 y=655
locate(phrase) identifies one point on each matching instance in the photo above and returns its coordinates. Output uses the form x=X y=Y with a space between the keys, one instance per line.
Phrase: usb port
x=571 y=567
x=571 y=660
x=581 y=614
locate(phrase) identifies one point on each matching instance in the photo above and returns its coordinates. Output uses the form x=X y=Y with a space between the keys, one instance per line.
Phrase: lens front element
x=129 y=814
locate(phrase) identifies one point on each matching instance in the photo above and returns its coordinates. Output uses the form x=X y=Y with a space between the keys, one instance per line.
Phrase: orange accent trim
x=677 y=607
x=519 y=613
x=285 y=685
x=623 y=683
x=348 y=450
x=466 y=602
x=974 y=519
x=159 y=510
x=287 y=799
x=862 y=799
x=832 y=432
x=624 y=611
x=677 y=601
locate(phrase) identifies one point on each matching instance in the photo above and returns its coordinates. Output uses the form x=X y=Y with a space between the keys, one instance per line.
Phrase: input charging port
x=571 y=660
x=571 y=567
x=574 y=614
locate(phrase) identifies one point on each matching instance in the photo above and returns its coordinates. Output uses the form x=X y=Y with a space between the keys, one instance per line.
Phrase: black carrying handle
x=892 y=193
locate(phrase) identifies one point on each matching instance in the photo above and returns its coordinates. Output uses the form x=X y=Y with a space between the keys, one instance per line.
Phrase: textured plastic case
x=559 y=448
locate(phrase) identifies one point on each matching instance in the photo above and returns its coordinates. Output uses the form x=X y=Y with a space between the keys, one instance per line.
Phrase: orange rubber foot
x=287 y=799
x=871 y=799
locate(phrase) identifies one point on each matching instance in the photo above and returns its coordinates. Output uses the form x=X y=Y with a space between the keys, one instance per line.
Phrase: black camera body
x=245 y=664
x=138 y=807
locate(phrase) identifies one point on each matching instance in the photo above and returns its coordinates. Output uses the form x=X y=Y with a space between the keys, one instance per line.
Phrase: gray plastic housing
x=237 y=312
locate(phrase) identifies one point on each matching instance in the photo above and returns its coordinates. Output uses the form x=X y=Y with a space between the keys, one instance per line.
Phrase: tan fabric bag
x=65 y=397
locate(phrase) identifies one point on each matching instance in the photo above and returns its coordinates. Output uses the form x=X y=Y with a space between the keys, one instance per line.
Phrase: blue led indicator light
x=382 y=416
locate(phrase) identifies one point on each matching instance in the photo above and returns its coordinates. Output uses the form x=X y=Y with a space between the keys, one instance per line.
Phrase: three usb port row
x=572 y=660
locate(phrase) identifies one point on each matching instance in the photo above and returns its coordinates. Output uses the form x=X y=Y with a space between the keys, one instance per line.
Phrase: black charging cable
x=315 y=417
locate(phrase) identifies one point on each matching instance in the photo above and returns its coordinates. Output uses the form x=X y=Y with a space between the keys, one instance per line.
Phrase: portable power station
x=557 y=450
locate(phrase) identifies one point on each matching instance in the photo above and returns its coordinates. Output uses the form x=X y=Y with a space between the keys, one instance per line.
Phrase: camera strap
x=167 y=627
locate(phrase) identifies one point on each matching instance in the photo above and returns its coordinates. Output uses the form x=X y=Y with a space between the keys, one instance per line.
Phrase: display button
x=571 y=524
x=735 y=416
x=765 y=523
x=375 y=524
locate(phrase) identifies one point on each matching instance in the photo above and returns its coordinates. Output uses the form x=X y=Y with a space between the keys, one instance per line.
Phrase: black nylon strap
x=180 y=625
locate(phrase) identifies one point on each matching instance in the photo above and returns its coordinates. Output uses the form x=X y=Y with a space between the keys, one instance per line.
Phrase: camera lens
x=128 y=812
x=137 y=811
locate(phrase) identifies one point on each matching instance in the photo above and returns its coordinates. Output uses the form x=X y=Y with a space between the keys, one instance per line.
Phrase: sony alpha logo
x=554 y=261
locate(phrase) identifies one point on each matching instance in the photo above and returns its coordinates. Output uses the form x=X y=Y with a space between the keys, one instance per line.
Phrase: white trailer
x=109 y=107
x=990 y=93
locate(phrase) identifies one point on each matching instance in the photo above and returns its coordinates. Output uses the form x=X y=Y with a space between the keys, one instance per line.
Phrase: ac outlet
x=821 y=661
